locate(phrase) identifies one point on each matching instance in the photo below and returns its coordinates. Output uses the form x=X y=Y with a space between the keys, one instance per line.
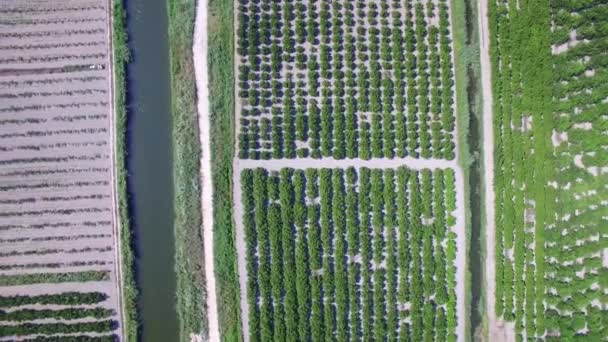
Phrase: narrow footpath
x=498 y=330
x=202 y=91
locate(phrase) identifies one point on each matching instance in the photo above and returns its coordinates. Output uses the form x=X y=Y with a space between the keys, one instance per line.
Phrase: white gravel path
x=303 y=163
x=200 y=69
x=498 y=331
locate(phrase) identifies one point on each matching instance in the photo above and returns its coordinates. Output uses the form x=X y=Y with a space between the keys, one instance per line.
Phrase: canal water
x=150 y=167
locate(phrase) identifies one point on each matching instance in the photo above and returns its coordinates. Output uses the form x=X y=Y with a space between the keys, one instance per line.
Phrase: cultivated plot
x=348 y=193
x=350 y=254
x=344 y=79
x=59 y=260
x=551 y=168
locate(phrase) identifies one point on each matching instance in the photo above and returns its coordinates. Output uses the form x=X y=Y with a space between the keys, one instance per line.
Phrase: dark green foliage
x=57 y=328
x=339 y=251
x=383 y=64
x=66 y=298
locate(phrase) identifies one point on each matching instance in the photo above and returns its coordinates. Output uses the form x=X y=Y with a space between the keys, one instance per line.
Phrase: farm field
x=59 y=260
x=344 y=79
x=551 y=169
x=350 y=254
x=348 y=194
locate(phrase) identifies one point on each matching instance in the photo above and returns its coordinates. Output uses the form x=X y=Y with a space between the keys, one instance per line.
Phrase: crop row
x=345 y=79
x=74 y=338
x=50 y=81
x=44 y=225
x=55 y=251
x=57 y=328
x=66 y=298
x=350 y=254
x=549 y=100
x=64 y=314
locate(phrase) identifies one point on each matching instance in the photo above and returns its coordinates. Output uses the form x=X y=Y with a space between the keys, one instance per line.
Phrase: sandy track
x=199 y=51
x=497 y=329
x=303 y=163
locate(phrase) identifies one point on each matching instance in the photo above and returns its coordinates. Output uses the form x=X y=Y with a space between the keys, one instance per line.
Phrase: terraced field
x=348 y=192
x=551 y=169
x=59 y=277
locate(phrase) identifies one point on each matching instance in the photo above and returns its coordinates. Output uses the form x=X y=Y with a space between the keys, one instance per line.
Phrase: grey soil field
x=57 y=199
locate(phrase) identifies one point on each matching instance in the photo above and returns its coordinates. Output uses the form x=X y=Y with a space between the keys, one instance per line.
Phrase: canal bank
x=149 y=165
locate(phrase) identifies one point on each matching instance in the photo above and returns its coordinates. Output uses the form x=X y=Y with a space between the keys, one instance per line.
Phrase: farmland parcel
x=348 y=191
x=59 y=260
x=550 y=169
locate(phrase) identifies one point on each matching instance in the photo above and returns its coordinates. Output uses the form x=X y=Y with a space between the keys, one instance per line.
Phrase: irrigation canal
x=150 y=167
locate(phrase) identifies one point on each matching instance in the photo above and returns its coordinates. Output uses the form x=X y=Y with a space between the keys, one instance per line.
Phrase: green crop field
x=344 y=79
x=549 y=69
x=355 y=254
x=348 y=189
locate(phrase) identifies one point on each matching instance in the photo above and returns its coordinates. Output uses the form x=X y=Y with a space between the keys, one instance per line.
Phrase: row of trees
x=26 y=329
x=335 y=254
x=66 y=298
x=74 y=338
x=362 y=81
x=66 y=314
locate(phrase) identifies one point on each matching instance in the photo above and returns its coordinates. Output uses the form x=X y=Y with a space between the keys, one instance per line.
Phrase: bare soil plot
x=57 y=214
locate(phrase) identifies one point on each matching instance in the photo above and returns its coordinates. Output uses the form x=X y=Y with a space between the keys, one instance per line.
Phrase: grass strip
x=121 y=57
x=50 y=278
x=221 y=96
x=189 y=266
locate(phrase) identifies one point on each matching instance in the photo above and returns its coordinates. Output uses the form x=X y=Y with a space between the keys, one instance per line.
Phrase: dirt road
x=498 y=330
x=200 y=68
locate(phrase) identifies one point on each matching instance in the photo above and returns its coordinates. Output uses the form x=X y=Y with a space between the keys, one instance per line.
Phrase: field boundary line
x=117 y=226
x=199 y=53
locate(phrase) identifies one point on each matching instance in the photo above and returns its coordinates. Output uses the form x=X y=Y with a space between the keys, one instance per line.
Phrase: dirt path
x=200 y=69
x=498 y=330
x=303 y=163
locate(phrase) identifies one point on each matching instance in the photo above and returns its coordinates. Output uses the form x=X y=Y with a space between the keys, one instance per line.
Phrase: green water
x=150 y=167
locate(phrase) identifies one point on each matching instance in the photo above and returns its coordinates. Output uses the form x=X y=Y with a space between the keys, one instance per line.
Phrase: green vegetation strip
x=221 y=96
x=71 y=313
x=129 y=291
x=67 y=298
x=406 y=232
x=43 y=278
x=74 y=338
x=57 y=328
x=186 y=170
x=469 y=110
